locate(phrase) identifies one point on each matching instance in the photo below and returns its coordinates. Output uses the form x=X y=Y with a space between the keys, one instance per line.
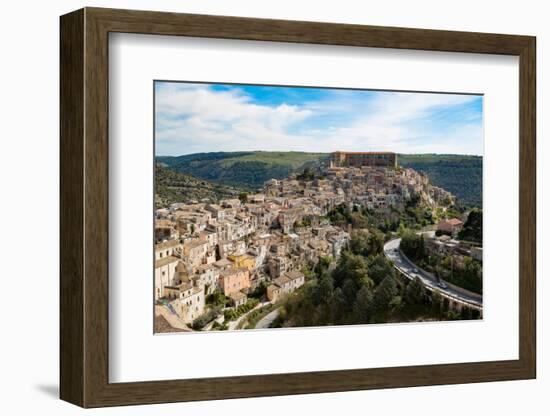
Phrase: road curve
x=267 y=320
x=409 y=269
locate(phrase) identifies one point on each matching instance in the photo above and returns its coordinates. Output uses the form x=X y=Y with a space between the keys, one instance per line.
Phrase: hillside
x=459 y=174
x=243 y=169
x=171 y=186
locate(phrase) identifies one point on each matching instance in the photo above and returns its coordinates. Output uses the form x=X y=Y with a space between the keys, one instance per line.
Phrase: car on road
x=442 y=285
x=415 y=270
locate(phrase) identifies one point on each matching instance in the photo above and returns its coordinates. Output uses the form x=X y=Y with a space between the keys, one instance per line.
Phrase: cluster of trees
x=248 y=170
x=342 y=216
x=206 y=317
x=414 y=216
x=218 y=299
x=171 y=186
x=305 y=222
x=235 y=313
x=473 y=228
x=413 y=246
x=362 y=288
x=466 y=273
x=307 y=175
x=365 y=242
x=460 y=174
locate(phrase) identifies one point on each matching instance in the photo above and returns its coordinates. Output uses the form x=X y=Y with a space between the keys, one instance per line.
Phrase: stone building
x=359 y=159
x=234 y=280
x=165 y=274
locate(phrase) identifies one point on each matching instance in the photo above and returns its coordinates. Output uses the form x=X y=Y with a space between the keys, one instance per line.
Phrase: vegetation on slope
x=243 y=169
x=461 y=175
x=363 y=288
x=466 y=274
x=171 y=186
x=473 y=228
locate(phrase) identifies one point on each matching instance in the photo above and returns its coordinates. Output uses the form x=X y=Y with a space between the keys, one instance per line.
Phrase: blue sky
x=193 y=118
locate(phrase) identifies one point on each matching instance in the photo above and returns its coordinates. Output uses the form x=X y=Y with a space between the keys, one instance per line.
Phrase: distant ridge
x=459 y=174
x=172 y=186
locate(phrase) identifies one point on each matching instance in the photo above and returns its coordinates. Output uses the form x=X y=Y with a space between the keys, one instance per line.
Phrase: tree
x=412 y=245
x=306 y=175
x=358 y=220
x=473 y=228
x=243 y=197
x=376 y=242
x=322 y=293
x=354 y=267
x=421 y=248
x=415 y=293
x=323 y=265
x=362 y=306
x=437 y=302
x=359 y=242
x=379 y=268
x=308 y=273
x=384 y=294
x=217 y=298
x=349 y=290
x=338 y=306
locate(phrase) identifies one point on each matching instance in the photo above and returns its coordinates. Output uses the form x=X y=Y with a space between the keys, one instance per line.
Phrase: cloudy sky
x=193 y=118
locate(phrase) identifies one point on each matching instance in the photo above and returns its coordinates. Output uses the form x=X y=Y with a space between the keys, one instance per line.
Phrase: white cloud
x=194 y=118
x=214 y=118
x=390 y=122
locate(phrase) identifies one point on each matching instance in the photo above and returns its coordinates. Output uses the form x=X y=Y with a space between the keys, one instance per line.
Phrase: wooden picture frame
x=84 y=207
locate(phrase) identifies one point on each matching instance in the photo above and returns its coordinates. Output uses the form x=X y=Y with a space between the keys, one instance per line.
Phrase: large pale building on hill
x=358 y=159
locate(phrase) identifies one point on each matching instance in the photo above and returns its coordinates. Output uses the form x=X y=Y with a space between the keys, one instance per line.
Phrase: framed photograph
x=255 y=207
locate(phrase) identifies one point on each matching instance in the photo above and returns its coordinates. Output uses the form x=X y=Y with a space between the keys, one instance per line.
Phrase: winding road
x=410 y=270
x=267 y=320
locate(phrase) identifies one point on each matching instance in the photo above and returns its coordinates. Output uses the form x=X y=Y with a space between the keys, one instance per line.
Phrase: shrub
x=235 y=313
x=201 y=321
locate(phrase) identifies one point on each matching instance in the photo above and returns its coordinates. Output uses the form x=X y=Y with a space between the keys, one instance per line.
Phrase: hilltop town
x=211 y=256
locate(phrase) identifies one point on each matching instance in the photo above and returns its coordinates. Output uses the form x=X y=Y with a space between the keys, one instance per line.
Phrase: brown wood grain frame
x=84 y=216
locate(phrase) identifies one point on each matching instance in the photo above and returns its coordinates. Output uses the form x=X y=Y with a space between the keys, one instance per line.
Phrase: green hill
x=243 y=169
x=459 y=174
x=171 y=186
